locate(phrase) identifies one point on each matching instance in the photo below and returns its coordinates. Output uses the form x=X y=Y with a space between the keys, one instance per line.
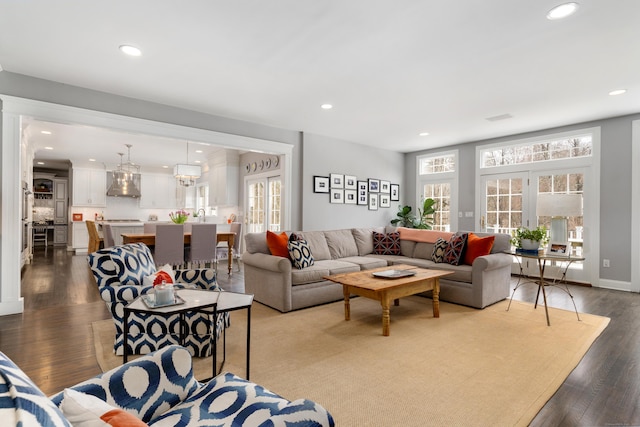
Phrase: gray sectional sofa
x=276 y=283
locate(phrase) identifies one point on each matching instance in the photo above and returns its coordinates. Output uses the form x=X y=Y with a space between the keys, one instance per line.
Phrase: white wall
x=323 y=156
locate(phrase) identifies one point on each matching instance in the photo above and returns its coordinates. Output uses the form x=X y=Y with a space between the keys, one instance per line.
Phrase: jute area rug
x=468 y=368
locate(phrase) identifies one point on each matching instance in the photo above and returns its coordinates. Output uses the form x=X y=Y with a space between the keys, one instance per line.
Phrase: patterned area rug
x=469 y=367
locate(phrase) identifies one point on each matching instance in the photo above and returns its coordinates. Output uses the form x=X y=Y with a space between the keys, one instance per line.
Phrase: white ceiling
x=392 y=69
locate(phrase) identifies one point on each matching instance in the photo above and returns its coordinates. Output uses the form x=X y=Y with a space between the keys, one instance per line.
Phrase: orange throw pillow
x=277 y=244
x=477 y=246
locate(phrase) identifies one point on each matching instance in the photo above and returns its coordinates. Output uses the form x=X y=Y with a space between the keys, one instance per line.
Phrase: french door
x=509 y=201
x=263 y=204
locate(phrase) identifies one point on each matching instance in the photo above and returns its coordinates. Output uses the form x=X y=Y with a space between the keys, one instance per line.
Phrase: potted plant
x=425 y=215
x=529 y=239
x=405 y=217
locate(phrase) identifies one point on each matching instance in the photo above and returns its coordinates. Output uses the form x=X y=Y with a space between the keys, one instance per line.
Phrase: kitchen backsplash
x=42 y=213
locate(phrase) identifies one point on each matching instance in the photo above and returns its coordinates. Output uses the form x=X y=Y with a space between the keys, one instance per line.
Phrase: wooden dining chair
x=202 y=250
x=94 y=237
x=169 y=248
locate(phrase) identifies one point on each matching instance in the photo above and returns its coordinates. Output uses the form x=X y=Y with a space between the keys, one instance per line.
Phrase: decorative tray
x=394 y=274
x=151 y=302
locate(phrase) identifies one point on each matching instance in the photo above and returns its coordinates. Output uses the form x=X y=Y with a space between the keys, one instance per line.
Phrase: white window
x=537 y=151
x=438 y=179
x=264 y=204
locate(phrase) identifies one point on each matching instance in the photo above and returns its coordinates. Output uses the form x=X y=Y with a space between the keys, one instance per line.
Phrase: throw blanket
x=419 y=235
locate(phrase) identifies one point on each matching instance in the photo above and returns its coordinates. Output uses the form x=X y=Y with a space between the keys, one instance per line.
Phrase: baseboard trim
x=615 y=285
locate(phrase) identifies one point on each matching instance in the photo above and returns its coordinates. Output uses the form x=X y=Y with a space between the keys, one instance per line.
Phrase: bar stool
x=40 y=234
x=203 y=244
x=169 y=247
x=94 y=237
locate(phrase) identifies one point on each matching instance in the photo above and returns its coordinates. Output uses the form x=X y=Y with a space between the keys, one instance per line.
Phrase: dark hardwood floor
x=52 y=340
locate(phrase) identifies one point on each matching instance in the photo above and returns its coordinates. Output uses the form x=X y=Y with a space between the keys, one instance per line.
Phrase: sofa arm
x=122 y=293
x=160 y=380
x=201 y=278
x=267 y=262
x=492 y=261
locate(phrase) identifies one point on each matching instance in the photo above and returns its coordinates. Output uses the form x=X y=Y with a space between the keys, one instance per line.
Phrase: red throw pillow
x=277 y=244
x=477 y=246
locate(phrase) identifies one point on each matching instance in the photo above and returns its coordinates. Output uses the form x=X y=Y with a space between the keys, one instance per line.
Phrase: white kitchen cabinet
x=158 y=191
x=79 y=237
x=89 y=187
x=224 y=177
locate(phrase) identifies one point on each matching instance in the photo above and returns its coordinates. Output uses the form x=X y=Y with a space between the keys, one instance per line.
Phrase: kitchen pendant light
x=187 y=174
x=126 y=178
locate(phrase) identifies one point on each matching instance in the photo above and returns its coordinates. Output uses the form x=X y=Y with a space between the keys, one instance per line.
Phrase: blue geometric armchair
x=120 y=273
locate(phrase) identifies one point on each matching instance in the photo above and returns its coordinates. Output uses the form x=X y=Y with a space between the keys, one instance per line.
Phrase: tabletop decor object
x=179 y=216
x=529 y=239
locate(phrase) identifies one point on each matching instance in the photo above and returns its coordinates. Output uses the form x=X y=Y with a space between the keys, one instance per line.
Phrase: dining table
x=149 y=239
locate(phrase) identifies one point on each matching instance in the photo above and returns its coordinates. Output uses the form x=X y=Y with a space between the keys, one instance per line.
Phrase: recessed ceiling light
x=40 y=163
x=45 y=132
x=196 y=161
x=198 y=151
x=562 y=11
x=130 y=50
x=423 y=134
x=165 y=166
x=48 y=148
x=326 y=106
x=92 y=160
x=617 y=92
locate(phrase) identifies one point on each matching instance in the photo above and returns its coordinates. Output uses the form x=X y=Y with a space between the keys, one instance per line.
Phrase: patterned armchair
x=158 y=389
x=120 y=273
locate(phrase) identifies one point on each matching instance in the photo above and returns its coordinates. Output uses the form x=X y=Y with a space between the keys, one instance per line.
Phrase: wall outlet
x=606 y=263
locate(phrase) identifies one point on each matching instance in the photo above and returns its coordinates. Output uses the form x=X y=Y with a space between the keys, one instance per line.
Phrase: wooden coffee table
x=385 y=290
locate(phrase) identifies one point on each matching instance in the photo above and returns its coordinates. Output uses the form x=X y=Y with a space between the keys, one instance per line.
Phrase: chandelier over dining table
x=185 y=173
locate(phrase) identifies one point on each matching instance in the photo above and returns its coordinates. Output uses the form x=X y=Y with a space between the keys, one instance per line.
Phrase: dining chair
x=94 y=237
x=149 y=228
x=107 y=236
x=202 y=250
x=40 y=234
x=222 y=250
x=169 y=247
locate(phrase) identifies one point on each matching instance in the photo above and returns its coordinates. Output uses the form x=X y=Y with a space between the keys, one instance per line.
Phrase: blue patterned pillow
x=133 y=262
x=300 y=254
x=439 y=248
x=21 y=401
x=455 y=249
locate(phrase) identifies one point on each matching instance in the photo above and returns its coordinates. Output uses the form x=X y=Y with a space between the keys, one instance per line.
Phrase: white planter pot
x=530 y=245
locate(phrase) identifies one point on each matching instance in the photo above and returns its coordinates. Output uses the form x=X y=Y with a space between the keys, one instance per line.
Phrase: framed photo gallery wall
x=348 y=189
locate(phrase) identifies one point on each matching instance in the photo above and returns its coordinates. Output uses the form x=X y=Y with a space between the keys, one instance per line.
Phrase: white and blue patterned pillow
x=300 y=253
x=133 y=262
x=22 y=403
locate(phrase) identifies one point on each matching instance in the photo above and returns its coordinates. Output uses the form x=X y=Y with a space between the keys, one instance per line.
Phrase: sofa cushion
x=423 y=250
x=22 y=403
x=300 y=254
x=439 y=248
x=256 y=243
x=277 y=244
x=366 y=262
x=320 y=269
x=477 y=246
x=85 y=410
x=133 y=262
x=364 y=239
x=407 y=247
x=341 y=243
x=386 y=244
x=455 y=249
x=318 y=244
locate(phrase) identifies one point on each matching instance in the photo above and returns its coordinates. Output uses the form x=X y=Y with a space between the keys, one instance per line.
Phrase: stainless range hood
x=125 y=182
